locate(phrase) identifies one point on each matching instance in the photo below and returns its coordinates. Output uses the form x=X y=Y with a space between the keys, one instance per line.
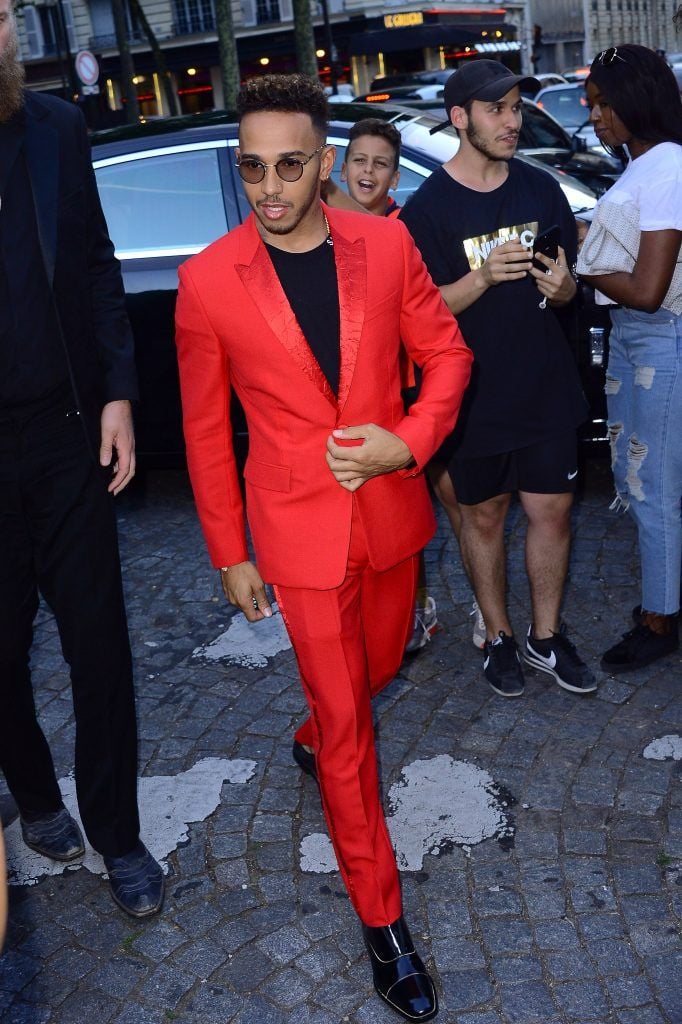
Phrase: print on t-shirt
x=479 y=248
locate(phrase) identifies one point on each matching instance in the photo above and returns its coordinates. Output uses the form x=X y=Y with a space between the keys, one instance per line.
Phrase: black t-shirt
x=310 y=285
x=524 y=383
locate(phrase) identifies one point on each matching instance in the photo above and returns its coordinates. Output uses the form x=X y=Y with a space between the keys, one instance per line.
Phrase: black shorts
x=548 y=467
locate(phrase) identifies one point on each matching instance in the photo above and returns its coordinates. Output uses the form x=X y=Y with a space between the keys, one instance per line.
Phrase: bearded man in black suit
x=67 y=378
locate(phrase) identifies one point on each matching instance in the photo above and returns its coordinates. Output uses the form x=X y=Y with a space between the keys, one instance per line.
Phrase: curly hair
x=382 y=129
x=289 y=94
x=643 y=92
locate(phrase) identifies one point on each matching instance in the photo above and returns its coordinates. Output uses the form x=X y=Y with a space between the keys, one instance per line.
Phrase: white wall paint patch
x=438 y=803
x=168 y=804
x=245 y=643
x=664 y=748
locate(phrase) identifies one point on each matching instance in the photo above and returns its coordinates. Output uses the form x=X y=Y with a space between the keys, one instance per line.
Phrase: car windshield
x=569 y=106
x=540 y=132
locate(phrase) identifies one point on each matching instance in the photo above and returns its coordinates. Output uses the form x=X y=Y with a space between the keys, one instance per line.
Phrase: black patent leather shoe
x=54 y=835
x=400 y=977
x=136 y=882
x=305 y=760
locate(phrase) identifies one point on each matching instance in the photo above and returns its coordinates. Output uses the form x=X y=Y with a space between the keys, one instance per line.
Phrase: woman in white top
x=632 y=256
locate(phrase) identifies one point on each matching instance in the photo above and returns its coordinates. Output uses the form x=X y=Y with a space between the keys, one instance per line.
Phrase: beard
x=11 y=80
x=481 y=144
x=274 y=228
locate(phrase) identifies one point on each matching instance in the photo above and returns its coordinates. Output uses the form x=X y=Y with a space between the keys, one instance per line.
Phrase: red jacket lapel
x=260 y=279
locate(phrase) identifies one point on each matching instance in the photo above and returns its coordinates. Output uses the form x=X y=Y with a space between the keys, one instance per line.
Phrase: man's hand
x=374 y=451
x=510 y=261
x=556 y=282
x=118 y=434
x=243 y=586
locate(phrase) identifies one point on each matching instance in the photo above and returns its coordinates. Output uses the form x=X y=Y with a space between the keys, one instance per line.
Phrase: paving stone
x=526 y=1002
x=200 y=959
x=507 y=936
x=462 y=990
x=642 y=1015
x=283 y=945
x=117 y=977
x=159 y=941
x=27 y=1013
x=166 y=986
x=516 y=968
x=339 y=995
x=453 y=954
x=556 y=935
x=90 y=1006
x=258 y=1011
x=570 y=965
x=288 y=988
x=632 y=991
x=584 y=1000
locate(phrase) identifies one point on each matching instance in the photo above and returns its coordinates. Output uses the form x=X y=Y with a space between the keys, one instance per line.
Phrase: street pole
x=64 y=35
x=329 y=44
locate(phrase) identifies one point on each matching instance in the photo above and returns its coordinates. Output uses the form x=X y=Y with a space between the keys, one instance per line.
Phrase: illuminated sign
x=404 y=20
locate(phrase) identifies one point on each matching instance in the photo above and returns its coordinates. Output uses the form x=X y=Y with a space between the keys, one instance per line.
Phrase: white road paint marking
x=664 y=747
x=245 y=643
x=168 y=803
x=437 y=804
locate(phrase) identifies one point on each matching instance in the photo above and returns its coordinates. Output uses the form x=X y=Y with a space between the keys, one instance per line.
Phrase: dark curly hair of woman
x=290 y=94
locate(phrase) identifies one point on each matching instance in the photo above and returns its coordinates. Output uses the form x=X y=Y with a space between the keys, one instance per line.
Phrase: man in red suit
x=301 y=310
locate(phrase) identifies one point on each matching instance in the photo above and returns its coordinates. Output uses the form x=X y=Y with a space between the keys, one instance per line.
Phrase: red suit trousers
x=349 y=644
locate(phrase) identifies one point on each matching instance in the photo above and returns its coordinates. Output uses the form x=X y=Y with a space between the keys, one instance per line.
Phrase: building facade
x=370 y=38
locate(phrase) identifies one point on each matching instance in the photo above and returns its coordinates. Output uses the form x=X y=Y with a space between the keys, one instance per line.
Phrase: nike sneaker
x=558 y=657
x=425 y=625
x=479 y=631
x=502 y=666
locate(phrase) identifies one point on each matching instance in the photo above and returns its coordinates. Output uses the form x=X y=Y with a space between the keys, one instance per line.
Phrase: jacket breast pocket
x=270 y=478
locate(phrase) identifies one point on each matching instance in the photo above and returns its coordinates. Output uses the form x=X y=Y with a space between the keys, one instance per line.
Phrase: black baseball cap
x=485 y=80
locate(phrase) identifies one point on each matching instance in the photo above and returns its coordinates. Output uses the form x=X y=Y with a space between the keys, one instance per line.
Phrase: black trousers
x=58 y=536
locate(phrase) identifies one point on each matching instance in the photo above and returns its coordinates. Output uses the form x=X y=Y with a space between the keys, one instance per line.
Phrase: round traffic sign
x=87 y=67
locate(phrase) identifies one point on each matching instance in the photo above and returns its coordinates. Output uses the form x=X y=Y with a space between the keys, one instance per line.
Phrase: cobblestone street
x=556 y=897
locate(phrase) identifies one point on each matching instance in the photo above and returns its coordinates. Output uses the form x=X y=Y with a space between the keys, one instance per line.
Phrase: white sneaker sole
x=536 y=661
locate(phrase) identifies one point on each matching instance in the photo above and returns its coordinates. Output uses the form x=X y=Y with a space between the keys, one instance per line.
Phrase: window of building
x=193 y=16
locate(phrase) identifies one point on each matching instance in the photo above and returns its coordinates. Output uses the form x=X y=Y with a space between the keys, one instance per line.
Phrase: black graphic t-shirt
x=524 y=384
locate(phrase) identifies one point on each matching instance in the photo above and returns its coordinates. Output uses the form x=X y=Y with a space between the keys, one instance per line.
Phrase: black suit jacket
x=81 y=268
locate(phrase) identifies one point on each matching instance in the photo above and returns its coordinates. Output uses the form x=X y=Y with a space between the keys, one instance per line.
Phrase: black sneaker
x=558 y=657
x=502 y=666
x=639 y=647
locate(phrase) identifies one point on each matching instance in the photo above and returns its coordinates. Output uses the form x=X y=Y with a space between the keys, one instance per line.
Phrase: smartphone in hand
x=547 y=243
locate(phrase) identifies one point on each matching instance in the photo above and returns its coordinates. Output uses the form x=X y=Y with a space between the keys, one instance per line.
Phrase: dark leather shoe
x=55 y=835
x=400 y=977
x=136 y=882
x=305 y=760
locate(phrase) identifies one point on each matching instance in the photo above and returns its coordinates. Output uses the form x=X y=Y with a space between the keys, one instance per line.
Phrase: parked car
x=568 y=105
x=404 y=94
x=541 y=135
x=546 y=79
x=575 y=74
x=435 y=77
x=171 y=187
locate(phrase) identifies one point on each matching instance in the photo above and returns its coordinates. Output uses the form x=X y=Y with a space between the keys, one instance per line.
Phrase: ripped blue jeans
x=644 y=398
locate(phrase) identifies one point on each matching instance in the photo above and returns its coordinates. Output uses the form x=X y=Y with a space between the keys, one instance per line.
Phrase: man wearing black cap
x=475 y=221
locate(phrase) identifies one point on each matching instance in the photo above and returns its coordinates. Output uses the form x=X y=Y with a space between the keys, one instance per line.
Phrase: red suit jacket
x=235 y=329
